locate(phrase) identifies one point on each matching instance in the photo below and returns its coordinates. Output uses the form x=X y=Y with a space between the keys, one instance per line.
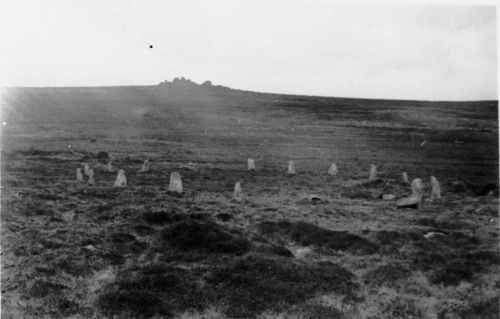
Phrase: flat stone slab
x=408 y=202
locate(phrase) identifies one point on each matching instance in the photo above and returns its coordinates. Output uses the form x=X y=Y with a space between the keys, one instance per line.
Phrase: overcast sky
x=375 y=51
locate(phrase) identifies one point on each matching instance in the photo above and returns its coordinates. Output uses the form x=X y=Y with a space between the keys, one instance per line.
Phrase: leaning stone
x=417 y=188
x=405 y=178
x=408 y=202
x=332 y=171
x=373 y=172
x=291 y=167
x=121 y=179
x=251 y=164
x=436 y=188
x=238 y=194
x=79 y=177
x=388 y=196
x=175 y=183
x=145 y=166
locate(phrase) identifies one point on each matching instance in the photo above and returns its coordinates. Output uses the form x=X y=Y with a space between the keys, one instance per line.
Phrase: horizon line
x=248 y=91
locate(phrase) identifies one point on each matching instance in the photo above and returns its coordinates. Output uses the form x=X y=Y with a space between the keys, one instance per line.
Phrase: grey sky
x=379 y=51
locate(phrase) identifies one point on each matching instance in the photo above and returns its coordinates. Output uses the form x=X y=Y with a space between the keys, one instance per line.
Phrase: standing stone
x=373 y=172
x=175 y=183
x=145 y=166
x=121 y=179
x=79 y=177
x=332 y=171
x=109 y=167
x=417 y=188
x=436 y=188
x=91 y=176
x=291 y=167
x=86 y=169
x=251 y=164
x=405 y=178
x=238 y=194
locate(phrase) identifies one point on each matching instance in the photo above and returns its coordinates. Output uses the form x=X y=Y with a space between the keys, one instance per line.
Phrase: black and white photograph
x=249 y=159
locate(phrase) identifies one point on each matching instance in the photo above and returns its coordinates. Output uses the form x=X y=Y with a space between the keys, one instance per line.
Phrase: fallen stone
x=332 y=171
x=189 y=165
x=121 y=179
x=175 y=183
x=432 y=234
x=409 y=202
x=388 y=196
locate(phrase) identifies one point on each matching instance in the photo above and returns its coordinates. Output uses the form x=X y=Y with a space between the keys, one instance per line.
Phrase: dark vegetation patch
x=253 y=284
x=102 y=155
x=401 y=307
x=42 y=288
x=448 y=258
x=442 y=223
x=317 y=312
x=124 y=243
x=153 y=289
x=144 y=230
x=387 y=275
x=485 y=309
x=374 y=189
x=203 y=237
x=36 y=152
x=224 y=217
x=308 y=234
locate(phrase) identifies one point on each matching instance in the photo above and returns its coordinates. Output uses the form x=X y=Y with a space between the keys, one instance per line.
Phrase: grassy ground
x=298 y=246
